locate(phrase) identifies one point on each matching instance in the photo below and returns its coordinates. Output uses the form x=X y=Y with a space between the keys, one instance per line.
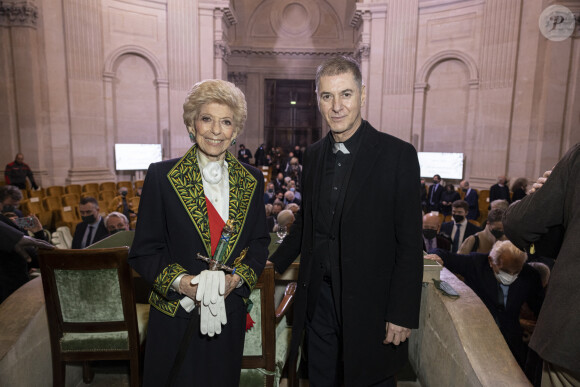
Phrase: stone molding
x=238 y=77
x=18 y=14
x=109 y=72
x=270 y=52
x=425 y=70
x=221 y=49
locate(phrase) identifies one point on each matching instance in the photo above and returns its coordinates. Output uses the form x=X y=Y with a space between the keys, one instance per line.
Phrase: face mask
x=8 y=208
x=429 y=233
x=497 y=233
x=89 y=219
x=270 y=190
x=124 y=193
x=458 y=218
x=292 y=189
x=505 y=278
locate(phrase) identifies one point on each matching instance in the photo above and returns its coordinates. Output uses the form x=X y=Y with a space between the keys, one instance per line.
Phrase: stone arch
x=114 y=56
x=429 y=65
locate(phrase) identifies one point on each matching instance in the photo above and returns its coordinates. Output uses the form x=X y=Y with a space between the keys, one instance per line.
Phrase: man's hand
x=434 y=257
x=541 y=181
x=186 y=288
x=396 y=334
x=26 y=241
x=37 y=226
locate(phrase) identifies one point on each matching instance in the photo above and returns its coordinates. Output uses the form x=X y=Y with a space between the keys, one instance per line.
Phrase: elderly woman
x=197 y=320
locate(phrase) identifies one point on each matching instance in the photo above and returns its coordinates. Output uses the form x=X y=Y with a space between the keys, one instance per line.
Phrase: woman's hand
x=232 y=281
x=186 y=288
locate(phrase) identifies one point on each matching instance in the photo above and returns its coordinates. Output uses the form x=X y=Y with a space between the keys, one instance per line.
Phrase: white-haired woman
x=184 y=207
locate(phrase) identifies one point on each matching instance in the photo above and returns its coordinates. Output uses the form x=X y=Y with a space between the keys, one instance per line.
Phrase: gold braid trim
x=161 y=285
x=246 y=272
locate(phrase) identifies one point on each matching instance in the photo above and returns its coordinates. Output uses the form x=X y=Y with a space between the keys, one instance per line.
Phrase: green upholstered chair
x=266 y=345
x=91 y=309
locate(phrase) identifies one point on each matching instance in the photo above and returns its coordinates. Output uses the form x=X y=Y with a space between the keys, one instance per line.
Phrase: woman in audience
x=448 y=196
x=519 y=189
x=483 y=241
x=189 y=206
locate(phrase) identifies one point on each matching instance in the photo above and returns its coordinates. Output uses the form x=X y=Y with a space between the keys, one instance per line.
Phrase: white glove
x=210 y=293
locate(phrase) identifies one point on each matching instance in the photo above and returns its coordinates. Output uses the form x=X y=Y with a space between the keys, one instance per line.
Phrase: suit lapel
x=362 y=168
x=185 y=177
x=242 y=187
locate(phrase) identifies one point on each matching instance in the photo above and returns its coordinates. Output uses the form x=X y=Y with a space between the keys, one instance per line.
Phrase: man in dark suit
x=434 y=195
x=359 y=283
x=548 y=220
x=431 y=237
x=472 y=199
x=459 y=228
x=244 y=155
x=499 y=190
x=92 y=229
x=503 y=282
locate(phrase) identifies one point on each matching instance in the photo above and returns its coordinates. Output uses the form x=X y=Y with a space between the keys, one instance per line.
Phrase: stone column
x=214 y=20
x=21 y=86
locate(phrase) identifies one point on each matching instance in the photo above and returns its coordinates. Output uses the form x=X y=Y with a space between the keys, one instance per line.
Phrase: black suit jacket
x=497 y=192
x=380 y=251
x=473 y=200
x=100 y=233
x=447 y=228
x=13 y=268
x=480 y=278
x=436 y=197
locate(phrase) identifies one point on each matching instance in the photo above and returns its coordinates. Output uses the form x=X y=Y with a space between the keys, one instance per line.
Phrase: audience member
x=501 y=204
x=434 y=195
x=270 y=220
x=92 y=229
x=294 y=170
x=459 y=228
x=279 y=183
x=472 y=198
x=120 y=203
x=448 y=196
x=29 y=225
x=503 y=282
x=519 y=188
x=431 y=237
x=10 y=197
x=116 y=222
x=285 y=219
x=260 y=156
x=270 y=193
x=17 y=171
x=293 y=207
x=292 y=187
x=423 y=195
x=499 y=190
x=244 y=155
x=289 y=198
x=298 y=153
x=15 y=248
x=548 y=220
x=277 y=206
x=483 y=241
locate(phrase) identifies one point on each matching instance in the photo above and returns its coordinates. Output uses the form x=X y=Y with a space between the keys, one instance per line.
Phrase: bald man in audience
x=500 y=190
x=431 y=238
x=116 y=222
x=503 y=282
x=285 y=219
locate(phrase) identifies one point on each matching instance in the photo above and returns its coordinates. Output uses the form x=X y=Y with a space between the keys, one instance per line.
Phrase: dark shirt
x=16 y=174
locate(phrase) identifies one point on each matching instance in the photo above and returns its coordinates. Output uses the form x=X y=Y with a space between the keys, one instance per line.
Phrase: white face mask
x=505 y=278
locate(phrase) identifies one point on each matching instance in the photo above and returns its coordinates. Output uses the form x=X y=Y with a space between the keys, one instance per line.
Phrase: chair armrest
x=286 y=301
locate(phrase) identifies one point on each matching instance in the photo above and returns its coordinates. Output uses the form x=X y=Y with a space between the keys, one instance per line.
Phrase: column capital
x=18 y=14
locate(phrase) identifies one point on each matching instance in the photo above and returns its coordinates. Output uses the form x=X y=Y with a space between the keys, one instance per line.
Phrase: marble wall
x=471 y=76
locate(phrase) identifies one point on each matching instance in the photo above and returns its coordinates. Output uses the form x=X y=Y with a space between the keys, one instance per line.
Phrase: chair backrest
x=262 y=353
x=71 y=199
x=108 y=186
x=135 y=200
x=40 y=193
x=139 y=184
x=89 y=291
x=55 y=190
x=90 y=187
x=93 y=194
x=107 y=196
x=52 y=203
x=73 y=188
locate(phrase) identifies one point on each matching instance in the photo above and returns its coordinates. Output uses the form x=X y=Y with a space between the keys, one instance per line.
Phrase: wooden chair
x=139 y=184
x=91 y=310
x=93 y=194
x=262 y=343
x=90 y=187
x=36 y=193
x=134 y=203
x=475 y=222
x=55 y=190
x=107 y=196
x=108 y=186
x=73 y=188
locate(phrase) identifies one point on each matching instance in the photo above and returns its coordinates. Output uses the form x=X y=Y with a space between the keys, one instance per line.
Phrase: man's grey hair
x=501 y=247
x=10 y=191
x=337 y=66
x=117 y=214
